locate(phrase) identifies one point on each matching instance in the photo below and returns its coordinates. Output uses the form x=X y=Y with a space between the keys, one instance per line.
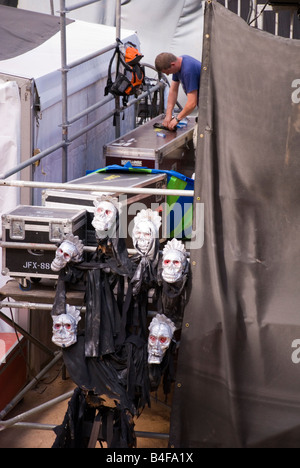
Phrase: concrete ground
x=154 y=419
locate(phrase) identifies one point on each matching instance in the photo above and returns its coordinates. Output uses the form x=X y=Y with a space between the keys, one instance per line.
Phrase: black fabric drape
x=237 y=380
x=10 y=3
x=116 y=426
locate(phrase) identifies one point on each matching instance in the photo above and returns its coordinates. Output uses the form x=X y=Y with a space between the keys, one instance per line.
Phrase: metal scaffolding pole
x=21 y=330
x=99 y=188
x=28 y=387
x=18 y=421
x=117 y=98
x=80 y=5
x=52 y=7
x=64 y=83
x=22 y=416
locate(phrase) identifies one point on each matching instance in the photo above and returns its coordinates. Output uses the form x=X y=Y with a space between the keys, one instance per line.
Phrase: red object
x=12 y=367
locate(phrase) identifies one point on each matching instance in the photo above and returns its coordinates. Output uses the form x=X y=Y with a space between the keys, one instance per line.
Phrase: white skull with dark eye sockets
x=146 y=231
x=142 y=235
x=65 y=253
x=174 y=261
x=161 y=331
x=65 y=327
x=173 y=266
x=105 y=216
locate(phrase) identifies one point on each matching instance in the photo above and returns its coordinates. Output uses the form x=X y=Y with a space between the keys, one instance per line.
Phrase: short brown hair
x=163 y=61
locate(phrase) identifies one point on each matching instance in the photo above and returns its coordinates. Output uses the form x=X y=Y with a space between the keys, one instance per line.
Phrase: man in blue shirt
x=185 y=70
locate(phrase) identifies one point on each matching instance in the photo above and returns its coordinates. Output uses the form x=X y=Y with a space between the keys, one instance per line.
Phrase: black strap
x=109 y=79
x=109 y=428
x=95 y=430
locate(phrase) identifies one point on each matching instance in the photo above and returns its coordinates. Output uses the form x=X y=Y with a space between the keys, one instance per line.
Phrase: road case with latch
x=131 y=203
x=30 y=235
x=149 y=146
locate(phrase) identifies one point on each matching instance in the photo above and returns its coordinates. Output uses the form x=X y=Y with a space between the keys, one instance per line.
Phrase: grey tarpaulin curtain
x=238 y=376
x=21 y=30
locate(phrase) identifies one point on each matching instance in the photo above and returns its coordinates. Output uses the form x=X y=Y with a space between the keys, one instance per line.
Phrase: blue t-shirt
x=189 y=75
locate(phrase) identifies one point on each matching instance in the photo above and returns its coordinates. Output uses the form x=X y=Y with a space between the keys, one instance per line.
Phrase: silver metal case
x=30 y=235
x=131 y=203
x=146 y=146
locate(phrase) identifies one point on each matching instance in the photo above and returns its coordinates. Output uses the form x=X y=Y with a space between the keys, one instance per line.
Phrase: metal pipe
x=27 y=245
x=61 y=144
x=99 y=188
x=51 y=247
x=90 y=109
x=152 y=435
x=27 y=335
x=32 y=160
x=116 y=111
x=52 y=7
x=25 y=305
x=51 y=427
x=276 y=23
x=91 y=56
x=44 y=406
x=255 y=13
x=64 y=84
x=79 y=5
x=30 y=305
x=118 y=19
x=117 y=98
x=28 y=387
x=49 y=307
x=37 y=426
x=292 y=25
x=91 y=126
x=144 y=94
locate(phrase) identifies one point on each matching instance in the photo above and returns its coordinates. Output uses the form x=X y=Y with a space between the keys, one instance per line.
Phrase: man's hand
x=172 y=125
x=167 y=121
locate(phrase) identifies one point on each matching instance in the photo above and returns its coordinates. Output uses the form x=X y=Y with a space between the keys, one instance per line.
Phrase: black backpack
x=130 y=79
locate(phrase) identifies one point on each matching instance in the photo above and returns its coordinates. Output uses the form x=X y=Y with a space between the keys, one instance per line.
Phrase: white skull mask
x=65 y=253
x=146 y=231
x=174 y=261
x=142 y=236
x=173 y=266
x=161 y=331
x=105 y=216
x=65 y=327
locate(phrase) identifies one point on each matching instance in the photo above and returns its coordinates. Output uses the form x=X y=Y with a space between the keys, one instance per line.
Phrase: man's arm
x=191 y=104
x=172 y=99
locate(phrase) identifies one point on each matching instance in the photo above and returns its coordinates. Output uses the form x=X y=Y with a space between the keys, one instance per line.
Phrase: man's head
x=167 y=63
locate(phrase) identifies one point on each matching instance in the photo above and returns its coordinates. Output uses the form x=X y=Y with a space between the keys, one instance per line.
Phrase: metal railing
x=66 y=67
x=278 y=18
x=67 y=121
x=63 y=145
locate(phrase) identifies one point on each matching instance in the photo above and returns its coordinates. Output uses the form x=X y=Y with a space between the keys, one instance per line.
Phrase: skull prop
x=105 y=215
x=161 y=331
x=65 y=327
x=70 y=250
x=174 y=261
x=146 y=230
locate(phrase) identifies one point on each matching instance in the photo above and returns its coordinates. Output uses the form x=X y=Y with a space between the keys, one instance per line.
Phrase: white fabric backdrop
x=162 y=26
x=86 y=84
x=10 y=109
